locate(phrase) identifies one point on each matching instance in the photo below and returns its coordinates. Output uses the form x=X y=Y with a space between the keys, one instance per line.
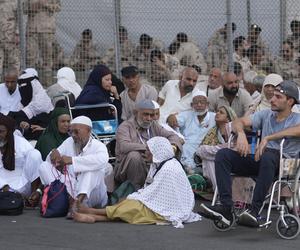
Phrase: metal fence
x=53 y=33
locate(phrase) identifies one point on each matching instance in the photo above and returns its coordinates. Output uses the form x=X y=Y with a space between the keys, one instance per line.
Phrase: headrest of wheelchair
x=82 y=120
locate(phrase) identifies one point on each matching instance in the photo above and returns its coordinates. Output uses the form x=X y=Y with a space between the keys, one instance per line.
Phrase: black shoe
x=217 y=212
x=248 y=218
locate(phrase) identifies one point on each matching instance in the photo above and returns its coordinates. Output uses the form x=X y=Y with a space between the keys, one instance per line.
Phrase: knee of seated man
x=135 y=156
x=270 y=157
x=223 y=154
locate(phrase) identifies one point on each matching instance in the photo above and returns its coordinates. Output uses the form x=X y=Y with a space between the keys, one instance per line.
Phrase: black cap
x=129 y=71
x=256 y=28
x=289 y=88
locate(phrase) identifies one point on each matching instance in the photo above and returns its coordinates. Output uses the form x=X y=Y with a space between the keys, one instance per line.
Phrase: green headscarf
x=52 y=138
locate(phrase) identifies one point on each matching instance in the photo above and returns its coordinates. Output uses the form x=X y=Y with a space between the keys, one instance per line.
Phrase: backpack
x=55 y=200
x=11 y=203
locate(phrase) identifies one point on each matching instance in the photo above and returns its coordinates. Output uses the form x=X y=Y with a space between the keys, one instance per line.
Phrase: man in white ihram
x=86 y=160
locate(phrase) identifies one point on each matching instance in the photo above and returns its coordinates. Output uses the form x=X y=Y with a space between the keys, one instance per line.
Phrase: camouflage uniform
x=158 y=75
x=58 y=56
x=126 y=50
x=267 y=56
x=189 y=54
x=85 y=56
x=217 y=52
x=9 y=50
x=287 y=69
x=141 y=58
x=41 y=31
x=296 y=43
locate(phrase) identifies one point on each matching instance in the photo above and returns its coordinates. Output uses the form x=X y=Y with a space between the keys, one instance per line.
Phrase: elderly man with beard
x=86 y=161
x=193 y=125
x=176 y=95
x=131 y=139
x=19 y=163
x=230 y=95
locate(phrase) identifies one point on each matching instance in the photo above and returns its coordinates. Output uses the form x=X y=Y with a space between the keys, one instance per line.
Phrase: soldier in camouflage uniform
x=189 y=55
x=85 y=55
x=126 y=50
x=40 y=32
x=254 y=38
x=255 y=55
x=217 y=50
x=162 y=67
x=141 y=54
x=9 y=50
x=295 y=37
x=285 y=64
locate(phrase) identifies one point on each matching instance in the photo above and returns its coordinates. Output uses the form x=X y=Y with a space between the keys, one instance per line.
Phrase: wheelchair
x=104 y=128
x=288 y=223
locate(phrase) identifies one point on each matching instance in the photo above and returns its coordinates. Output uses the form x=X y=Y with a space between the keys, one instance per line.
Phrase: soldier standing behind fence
x=217 y=51
x=40 y=34
x=9 y=51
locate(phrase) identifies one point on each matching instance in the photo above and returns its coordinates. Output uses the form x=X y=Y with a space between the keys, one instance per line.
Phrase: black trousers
x=228 y=161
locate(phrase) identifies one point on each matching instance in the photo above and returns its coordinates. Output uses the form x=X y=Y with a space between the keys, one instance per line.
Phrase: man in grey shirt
x=264 y=165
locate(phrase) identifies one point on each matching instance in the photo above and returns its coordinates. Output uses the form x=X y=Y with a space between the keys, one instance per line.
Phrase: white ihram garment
x=86 y=173
x=27 y=162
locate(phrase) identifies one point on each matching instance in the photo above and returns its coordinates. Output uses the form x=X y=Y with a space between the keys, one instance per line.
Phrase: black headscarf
x=93 y=92
x=8 y=156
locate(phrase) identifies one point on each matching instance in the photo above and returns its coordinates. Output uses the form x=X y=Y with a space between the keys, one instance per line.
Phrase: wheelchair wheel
x=296 y=194
x=221 y=226
x=291 y=230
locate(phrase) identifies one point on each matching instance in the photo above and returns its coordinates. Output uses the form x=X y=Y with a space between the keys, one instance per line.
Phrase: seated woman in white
x=166 y=197
x=19 y=163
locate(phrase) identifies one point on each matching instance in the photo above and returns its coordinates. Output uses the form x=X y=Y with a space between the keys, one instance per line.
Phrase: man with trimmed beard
x=193 y=125
x=85 y=159
x=176 y=95
x=131 y=139
x=230 y=95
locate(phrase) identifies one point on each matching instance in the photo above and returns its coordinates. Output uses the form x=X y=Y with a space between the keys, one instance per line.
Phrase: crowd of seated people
x=183 y=111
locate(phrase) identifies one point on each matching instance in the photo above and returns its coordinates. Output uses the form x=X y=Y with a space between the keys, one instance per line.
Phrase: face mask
x=2 y=143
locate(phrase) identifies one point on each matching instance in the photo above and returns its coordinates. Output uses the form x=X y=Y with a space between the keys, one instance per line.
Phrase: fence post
x=21 y=35
x=248 y=15
x=282 y=21
x=117 y=10
x=229 y=35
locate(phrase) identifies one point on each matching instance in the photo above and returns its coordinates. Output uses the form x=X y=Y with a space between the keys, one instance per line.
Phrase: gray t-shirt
x=265 y=121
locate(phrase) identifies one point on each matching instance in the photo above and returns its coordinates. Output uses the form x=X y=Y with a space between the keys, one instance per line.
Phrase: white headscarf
x=67 y=80
x=161 y=149
x=170 y=194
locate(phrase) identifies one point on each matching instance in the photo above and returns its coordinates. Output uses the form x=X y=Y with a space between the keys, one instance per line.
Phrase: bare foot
x=83 y=209
x=83 y=218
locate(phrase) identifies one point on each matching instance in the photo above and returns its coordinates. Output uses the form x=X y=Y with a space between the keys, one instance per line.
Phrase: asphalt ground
x=30 y=231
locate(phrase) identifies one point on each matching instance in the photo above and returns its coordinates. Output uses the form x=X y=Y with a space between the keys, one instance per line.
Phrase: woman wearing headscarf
x=99 y=89
x=216 y=138
x=166 y=197
x=270 y=82
x=66 y=82
x=55 y=133
x=19 y=163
